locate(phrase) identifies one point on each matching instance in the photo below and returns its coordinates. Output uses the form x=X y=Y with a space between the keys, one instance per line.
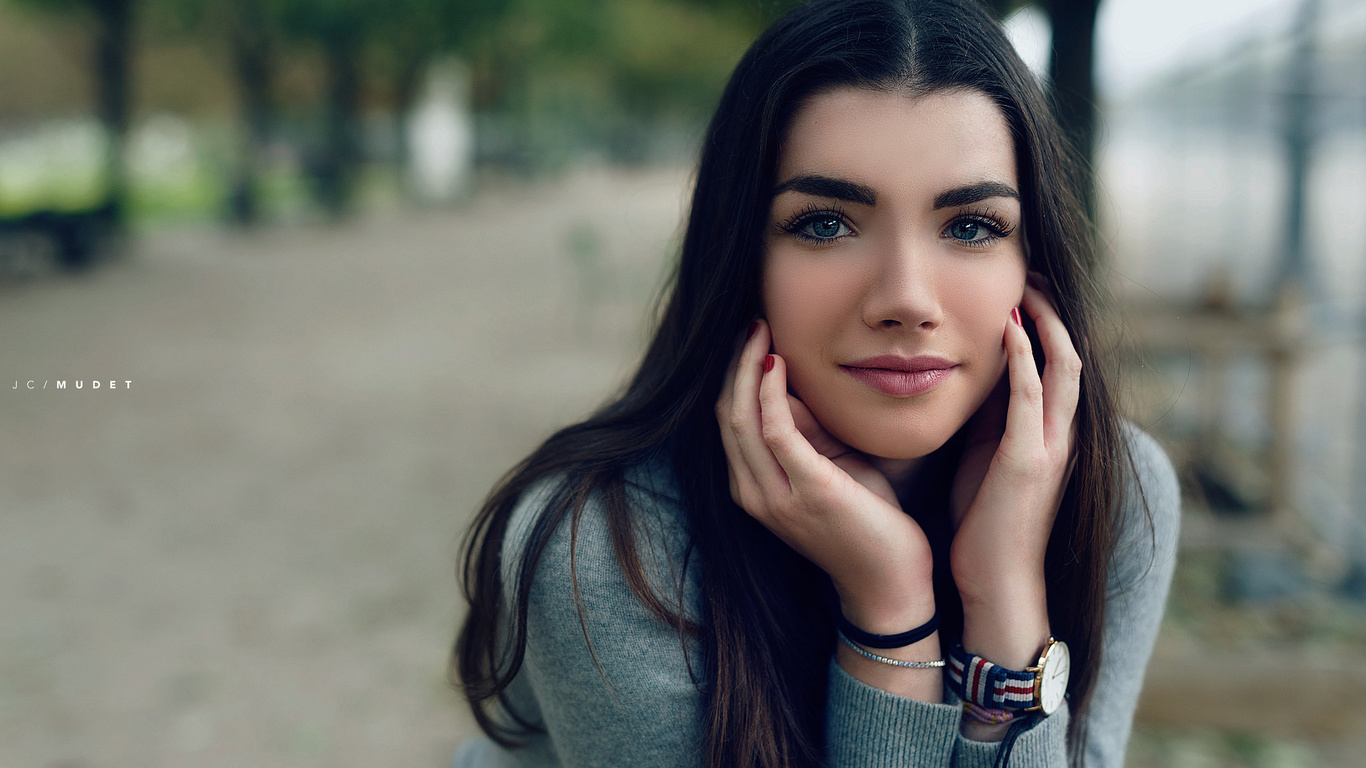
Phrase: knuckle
x=1071 y=366
x=779 y=515
x=747 y=498
x=772 y=433
x=1031 y=465
x=748 y=503
x=735 y=422
x=1031 y=390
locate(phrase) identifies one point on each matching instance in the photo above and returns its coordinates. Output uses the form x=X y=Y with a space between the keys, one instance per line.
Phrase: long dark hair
x=765 y=631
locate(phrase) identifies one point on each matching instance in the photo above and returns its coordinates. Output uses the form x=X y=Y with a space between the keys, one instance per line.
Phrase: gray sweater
x=643 y=708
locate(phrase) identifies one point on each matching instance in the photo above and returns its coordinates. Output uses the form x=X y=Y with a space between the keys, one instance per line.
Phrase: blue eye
x=825 y=226
x=978 y=230
x=965 y=230
x=817 y=227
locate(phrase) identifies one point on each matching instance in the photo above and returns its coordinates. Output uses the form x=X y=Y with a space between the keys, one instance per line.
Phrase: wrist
x=1008 y=628
x=987 y=588
x=924 y=683
x=989 y=563
x=892 y=614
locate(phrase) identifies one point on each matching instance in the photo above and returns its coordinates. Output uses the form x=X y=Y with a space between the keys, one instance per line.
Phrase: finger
x=1024 y=413
x=822 y=441
x=743 y=487
x=804 y=420
x=797 y=458
x=728 y=382
x=1062 y=367
x=746 y=425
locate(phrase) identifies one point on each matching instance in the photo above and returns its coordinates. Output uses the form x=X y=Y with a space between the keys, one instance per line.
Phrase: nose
x=904 y=292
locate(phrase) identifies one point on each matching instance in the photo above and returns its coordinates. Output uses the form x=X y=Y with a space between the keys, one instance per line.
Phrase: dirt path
x=245 y=557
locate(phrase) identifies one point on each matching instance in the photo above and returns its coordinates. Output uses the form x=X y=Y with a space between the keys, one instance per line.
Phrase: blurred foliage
x=629 y=80
x=110 y=64
x=550 y=78
x=647 y=57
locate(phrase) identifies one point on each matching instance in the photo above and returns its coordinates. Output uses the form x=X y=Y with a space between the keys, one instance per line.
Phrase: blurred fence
x=1234 y=200
x=1237 y=187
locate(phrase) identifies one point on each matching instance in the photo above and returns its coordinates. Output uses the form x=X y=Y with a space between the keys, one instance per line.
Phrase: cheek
x=984 y=297
x=804 y=301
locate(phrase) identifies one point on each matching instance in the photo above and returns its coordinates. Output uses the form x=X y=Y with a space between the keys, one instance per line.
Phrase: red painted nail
x=754 y=326
x=768 y=363
x=1015 y=315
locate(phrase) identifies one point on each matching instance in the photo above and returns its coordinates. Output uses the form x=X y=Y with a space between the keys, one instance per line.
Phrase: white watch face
x=1053 y=686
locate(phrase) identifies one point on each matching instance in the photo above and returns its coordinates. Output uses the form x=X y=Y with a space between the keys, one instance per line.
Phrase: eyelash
x=997 y=228
x=798 y=221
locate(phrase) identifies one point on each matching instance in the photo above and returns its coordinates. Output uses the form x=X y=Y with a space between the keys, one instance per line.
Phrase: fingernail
x=768 y=363
x=754 y=326
x=1015 y=316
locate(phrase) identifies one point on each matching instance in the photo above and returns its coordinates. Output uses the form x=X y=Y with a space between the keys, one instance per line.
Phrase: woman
x=849 y=541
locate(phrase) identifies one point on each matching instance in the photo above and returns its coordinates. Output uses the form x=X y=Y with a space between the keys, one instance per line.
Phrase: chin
x=894 y=438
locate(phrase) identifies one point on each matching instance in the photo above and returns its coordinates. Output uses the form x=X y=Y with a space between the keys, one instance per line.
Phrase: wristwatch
x=1040 y=687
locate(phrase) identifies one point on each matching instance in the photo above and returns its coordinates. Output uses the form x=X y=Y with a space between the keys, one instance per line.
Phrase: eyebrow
x=853 y=192
x=974 y=193
x=824 y=186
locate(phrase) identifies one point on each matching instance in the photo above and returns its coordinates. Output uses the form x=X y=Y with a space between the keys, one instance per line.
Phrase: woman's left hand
x=1016 y=464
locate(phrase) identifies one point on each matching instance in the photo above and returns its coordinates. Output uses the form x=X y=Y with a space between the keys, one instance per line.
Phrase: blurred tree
x=760 y=13
x=110 y=70
x=404 y=34
x=338 y=28
x=253 y=58
x=610 y=74
x=1071 y=74
x=251 y=31
x=676 y=55
x=536 y=42
x=1072 y=81
x=405 y=42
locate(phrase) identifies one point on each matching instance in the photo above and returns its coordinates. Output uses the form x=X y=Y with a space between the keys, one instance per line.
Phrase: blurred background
x=285 y=285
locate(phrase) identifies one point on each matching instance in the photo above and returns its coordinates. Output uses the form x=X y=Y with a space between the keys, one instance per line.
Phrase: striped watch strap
x=989 y=685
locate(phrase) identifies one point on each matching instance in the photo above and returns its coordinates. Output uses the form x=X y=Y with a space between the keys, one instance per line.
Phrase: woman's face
x=893 y=257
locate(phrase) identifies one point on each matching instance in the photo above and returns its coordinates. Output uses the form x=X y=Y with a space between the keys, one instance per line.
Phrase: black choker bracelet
x=902 y=640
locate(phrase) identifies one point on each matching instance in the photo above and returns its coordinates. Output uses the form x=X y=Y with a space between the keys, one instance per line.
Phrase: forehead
x=891 y=141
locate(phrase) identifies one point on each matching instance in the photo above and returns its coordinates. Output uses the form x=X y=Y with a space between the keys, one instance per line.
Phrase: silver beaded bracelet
x=912 y=664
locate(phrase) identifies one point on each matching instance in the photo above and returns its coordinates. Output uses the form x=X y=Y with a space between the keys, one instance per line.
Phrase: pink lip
x=901 y=376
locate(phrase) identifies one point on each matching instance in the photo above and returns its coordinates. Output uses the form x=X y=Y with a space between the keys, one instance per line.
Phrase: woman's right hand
x=821 y=497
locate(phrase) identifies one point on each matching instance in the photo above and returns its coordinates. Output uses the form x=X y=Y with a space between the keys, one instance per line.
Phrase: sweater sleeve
x=866 y=726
